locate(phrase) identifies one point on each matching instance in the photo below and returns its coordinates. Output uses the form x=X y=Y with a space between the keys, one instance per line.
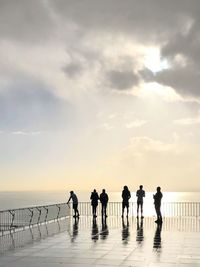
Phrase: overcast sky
x=99 y=94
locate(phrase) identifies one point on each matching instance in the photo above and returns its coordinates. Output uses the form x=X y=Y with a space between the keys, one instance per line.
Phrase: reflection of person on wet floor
x=140 y=233
x=140 y=195
x=94 y=202
x=126 y=195
x=104 y=201
x=75 y=229
x=125 y=230
x=157 y=237
x=74 y=199
x=104 y=232
x=95 y=230
x=157 y=202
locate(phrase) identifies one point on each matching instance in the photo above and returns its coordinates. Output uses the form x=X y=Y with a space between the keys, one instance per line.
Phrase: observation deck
x=65 y=241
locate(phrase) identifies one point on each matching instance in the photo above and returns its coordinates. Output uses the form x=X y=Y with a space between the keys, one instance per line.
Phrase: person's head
x=95 y=191
x=141 y=186
x=126 y=187
x=158 y=189
x=71 y=192
x=103 y=190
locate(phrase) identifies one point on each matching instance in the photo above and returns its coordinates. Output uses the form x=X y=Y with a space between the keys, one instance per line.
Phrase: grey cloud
x=25 y=21
x=161 y=23
x=152 y=19
x=122 y=80
x=184 y=76
x=30 y=107
x=184 y=80
x=73 y=69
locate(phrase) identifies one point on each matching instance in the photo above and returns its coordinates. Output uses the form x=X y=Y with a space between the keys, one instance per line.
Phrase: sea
x=14 y=200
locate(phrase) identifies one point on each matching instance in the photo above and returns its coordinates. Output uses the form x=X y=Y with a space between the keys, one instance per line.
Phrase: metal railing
x=169 y=209
x=19 y=218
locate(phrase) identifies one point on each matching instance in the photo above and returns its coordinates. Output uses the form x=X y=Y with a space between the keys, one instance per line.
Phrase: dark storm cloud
x=122 y=80
x=31 y=107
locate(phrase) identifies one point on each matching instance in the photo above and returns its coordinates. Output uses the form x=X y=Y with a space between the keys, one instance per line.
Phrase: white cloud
x=188 y=121
x=26 y=133
x=135 y=123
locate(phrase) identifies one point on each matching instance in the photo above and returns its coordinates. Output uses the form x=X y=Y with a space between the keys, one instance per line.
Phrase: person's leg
x=75 y=209
x=95 y=211
x=127 y=210
x=92 y=210
x=102 y=210
x=138 y=204
x=123 y=209
x=157 y=212
x=141 y=209
x=106 y=210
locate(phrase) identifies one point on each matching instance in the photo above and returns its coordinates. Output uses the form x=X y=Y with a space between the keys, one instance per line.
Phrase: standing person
x=75 y=203
x=94 y=202
x=104 y=201
x=140 y=195
x=126 y=195
x=157 y=202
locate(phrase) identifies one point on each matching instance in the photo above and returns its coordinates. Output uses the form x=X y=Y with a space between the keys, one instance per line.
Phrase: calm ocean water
x=12 y=200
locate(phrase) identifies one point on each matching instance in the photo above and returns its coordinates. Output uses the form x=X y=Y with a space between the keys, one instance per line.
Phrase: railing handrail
x=87 y=202
x=31 y=207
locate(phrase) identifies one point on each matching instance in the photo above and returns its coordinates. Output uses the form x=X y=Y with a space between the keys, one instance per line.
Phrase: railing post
x=13 y=217
x=47 y=210
x=31 y=211
x=40 y=212
x=58 y=211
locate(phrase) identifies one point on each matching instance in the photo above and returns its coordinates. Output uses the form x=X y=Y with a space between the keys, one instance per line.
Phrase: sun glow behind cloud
x=153 y=60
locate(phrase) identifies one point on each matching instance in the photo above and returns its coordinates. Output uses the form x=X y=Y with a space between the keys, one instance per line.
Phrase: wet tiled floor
x=85 y=242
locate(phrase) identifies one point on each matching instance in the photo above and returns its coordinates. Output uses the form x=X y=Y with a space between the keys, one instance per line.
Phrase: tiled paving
x=85 y=242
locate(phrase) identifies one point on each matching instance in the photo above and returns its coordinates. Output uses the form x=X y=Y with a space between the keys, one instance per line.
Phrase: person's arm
x=144 y=194
x=69 y=199
x=129 y=195
x=137 y=193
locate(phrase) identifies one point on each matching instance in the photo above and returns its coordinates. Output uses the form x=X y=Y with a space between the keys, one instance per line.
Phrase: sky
x=99 y=94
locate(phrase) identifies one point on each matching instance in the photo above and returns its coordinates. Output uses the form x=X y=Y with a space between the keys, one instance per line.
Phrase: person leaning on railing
x=74 y=199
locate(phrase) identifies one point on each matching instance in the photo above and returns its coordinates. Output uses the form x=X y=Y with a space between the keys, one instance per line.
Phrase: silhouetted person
x=140 y=195
x=94 y=202
x=157 y=202
x=95 y=230
x=104 y=201
x=75 y=203
x=157 y=237
x=125 y=230
x=140 y=232
x=126 y=195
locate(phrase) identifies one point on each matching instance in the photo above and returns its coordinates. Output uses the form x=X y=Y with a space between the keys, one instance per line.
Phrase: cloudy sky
x=99 y=94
